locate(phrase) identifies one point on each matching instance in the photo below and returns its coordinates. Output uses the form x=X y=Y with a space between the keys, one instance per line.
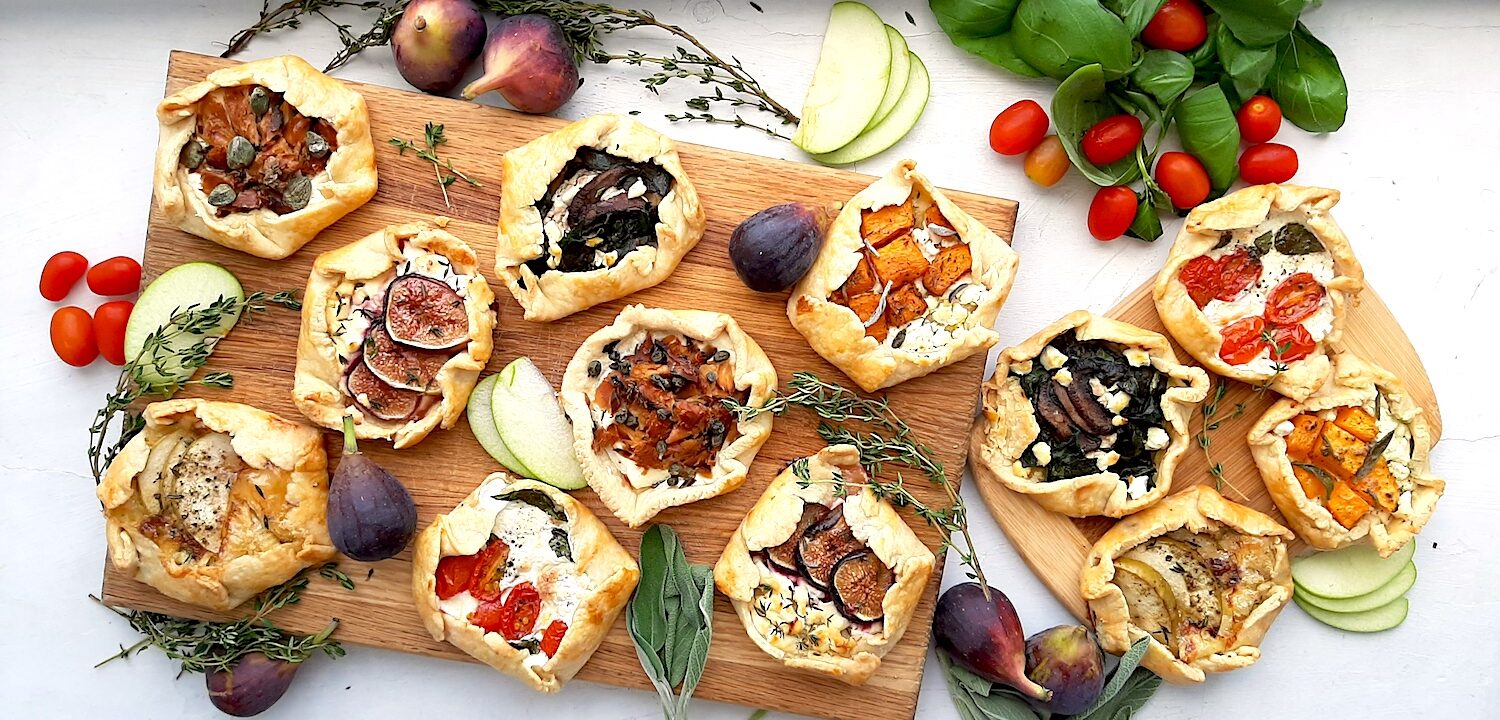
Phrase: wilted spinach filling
x=602 y=216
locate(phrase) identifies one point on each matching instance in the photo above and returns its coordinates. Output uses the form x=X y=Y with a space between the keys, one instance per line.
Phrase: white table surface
x=1416 y=163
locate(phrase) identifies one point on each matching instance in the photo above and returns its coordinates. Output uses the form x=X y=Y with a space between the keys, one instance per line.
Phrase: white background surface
x=78 y=83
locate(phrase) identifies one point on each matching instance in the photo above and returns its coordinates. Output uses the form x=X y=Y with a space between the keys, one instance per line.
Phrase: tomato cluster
x=513 y=613
x=77 y=337
x=1279 y=329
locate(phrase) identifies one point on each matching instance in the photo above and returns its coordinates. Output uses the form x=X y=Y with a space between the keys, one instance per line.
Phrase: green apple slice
x=900 y=73
x=1377 y=619
x=532 y=425
x=193 y=285
x=895 y=126
x=1349 y=572
x=854 y=67
x=1385 y=595
x=482 y=423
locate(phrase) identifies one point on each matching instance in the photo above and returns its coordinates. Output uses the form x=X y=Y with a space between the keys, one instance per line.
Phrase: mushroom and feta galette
x=1201 y=576
x=523 y=578
x=593 y=212
x=395 y=329
x=1087 y=417
x=824 y=577
x=260 y=157
x=1258 y=284
x=213 y=502
x=906 y=283
x=645 y=397
x=1350 y=461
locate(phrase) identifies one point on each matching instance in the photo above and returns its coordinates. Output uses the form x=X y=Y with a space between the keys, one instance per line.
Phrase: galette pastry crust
x=605 y=470
x=874 y=522
x=318 y=388
x=347 y=183
x=1008 y=425
x=271 y=535
x=836 y=332
x=1199 y=509
x=599 y=557
x=1247 y=208
x=1350 y=385
x=527 y=171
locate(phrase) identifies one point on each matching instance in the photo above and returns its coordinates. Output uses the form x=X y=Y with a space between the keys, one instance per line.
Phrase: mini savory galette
x=1201 y=576
x=593 y=212
x=395 y=329
x=1258 y=283
x=824 y=577
x=645 y=396
x=523 y=578
x=1088 y=417
x=260 y=157
x=906 y=283
x=1349 y=461
x=213 y=502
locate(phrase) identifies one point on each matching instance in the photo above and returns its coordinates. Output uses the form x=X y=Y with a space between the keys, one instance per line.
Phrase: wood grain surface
x=1055 y=546
x=446 y=466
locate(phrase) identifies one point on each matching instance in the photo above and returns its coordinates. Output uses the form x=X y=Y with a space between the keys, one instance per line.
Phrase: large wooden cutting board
x=449 y=464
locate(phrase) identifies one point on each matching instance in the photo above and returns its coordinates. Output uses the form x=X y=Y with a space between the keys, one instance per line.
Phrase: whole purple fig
x=528 y=60
x=371 y=515
x=436 y=41
x=252 y=686
x=772 y=249
x=1066 y=660
x=984 y=635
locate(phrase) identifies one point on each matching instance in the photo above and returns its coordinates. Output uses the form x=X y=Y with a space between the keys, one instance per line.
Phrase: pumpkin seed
x=316 y=145
x=192 y=154
x=298 y=192
x=260 y=101
x=241 y=153
x=222 y=195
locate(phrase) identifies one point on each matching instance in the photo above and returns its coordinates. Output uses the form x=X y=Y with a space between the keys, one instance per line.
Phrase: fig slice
x=425 y=312
x=784 y=556
x=859 y=583
x=408 y=368
x=380 y=399
x=823 y=545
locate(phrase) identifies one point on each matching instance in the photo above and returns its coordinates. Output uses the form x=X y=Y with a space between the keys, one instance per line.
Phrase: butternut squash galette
x=645 y=397
x=823 y=575
x=1087 y=417
x=261 y=156
x=395 y=329
x=593 y=212
x=1350 y=461
x=1201 y=576
x=1257 y=285
x=906 y=283
x=213 y=502
x=523 y=578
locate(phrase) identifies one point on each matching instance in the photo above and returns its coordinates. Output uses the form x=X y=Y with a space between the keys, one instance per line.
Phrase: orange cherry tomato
x=454 y=573
x=73 y=336
x=1295 y=299
x=1047 y=162
x=109 y=329
x=1259 y=119
x=115 y=276
x=1111 y=139
x=518 y=616
x=489 y=570
x=1291 y=342
x=552 y=638
x=1183 y=178
x=1111 y=212
x=1243 y=340
x=61 y=273
x=1178 y=25
x=1201 y=278
x=1268 y=163
x=1237 y=271
x=1018 y=128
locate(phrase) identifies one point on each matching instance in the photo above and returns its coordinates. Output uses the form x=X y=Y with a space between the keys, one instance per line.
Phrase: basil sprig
x=976 y=698
x=670 y=618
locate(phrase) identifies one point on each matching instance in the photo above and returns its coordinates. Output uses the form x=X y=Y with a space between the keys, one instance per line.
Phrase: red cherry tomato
x=1111 y=212
x=1183 y=178
x=1018 y=128
x=1291 y=342
x=552 y=638
x=1243 y=340
x=61 y=273
x=489 y=615
x=115 y=276
x=522 y=606
x=1237 y=271
x=489 y=570
x=109 y=328
x=1268 y=163
x=1111 y=139
x=1179 y=25
x=73 y=336
x=1047 y=162
x=1201 y=278
x=454 y=573
x=1294 y=300
x=1259 y=119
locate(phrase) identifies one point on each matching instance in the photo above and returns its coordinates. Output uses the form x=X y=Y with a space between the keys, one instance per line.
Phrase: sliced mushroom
x=784 y=556
x=1051 y=411
x=379 y=398
x=399 y=366
x=823 y=545
x=859 y=583
x=426 y=313
x=1082 y=408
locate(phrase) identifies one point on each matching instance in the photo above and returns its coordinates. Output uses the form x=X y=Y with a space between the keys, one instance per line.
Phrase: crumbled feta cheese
x=1098 y=388
x=610 y=194
x=1064 y=377
x=1042 y=452
x=606 y=259
x=1104 y=459
x=636 y=190
x=1285 y=428
x=1017 y=468
x=1399 y=470
x=1021 y=368
x=1108 y=441
x=593 y=242
x=1052 y=359
x=1117 y=401
x=1118 y=421
x=1135 y=486
x=1137 y=357
x=1156 y=438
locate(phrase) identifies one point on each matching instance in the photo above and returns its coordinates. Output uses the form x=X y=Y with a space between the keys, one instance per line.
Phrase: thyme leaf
x=433 y=137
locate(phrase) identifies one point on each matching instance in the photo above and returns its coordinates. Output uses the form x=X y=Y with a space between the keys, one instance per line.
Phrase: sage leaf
x=1117 y=681
x=1258 y=23
x=979 y=699
x=1133 y=694
x=1080 y=101
x=1058 y=37
x=1247 y=67
x=1308 y=84
x=670 y=619
x=1164 y=74
x=1208 y=130
x=1136 y=13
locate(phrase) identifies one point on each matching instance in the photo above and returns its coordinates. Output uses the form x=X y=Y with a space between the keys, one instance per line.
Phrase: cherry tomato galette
x=1258 y=284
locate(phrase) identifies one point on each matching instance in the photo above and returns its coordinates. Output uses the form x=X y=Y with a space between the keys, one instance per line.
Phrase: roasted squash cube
x=904 y=305
x=1380 y=485
x=1312 y=485
x=1306 y=430
x=900 y=262
x=865 y=306
x=1346 y=504
x=863 y=279
x=934 y=216
x=1339 y=452
x=1359 y=423
x=879 y=227
x=950 y=264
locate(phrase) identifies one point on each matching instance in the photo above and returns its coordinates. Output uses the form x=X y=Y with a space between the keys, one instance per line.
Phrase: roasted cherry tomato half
x=1237 y=271
x=1291 y=342
x=518 y=616
x=1018 y=128
x=1111 y=212
x=454 y=573
x=1178 y=25
x=552 y=638
x=489 y=570
x=489 y=615
x=1268 y=163
x=1243 y=340
x=1294 y=300
x=1201 y=278
x=1259 y=119
x=109 y=329
x=61 y=273
x=1047 y=162
x=1183 y=178
x=1111 y=139
x=115 y=276
x=73 y=336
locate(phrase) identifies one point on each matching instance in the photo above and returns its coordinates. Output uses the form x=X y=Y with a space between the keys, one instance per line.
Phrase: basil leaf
x=560 y=545
x=1258 y=23
x=535 y=498
x=982 y=27
x=1000 y=50
x=1248 y=67
x=1137 y=101
x=1308 y=84
x=1058 y=37
x=1164 y=74
x=1295 y=239
x=1081 y=101
x=1136 y=13
x=1147 y=223
x=1204 y=56
x=1208 y=130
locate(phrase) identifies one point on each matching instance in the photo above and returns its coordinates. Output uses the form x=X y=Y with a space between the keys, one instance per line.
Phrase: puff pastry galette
x=1201 y=576
x=824 y=578
x=213 y=502
x=261 y=156
x=1088 y=417
x=395 y=329
x=906 y=283
x=522 y=577
x=645 y=396
x=1351 y=461
x=593 y=212
x=1258 y=284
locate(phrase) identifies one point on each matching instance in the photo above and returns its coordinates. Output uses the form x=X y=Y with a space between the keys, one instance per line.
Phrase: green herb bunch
x=1126 y=691
x=670 y=619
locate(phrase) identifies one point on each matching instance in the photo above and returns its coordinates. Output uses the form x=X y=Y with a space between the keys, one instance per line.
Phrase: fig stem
x=351 y=444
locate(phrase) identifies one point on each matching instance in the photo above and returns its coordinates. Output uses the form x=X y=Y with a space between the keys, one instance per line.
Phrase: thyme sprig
x=289 y=15
x=433 y=137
